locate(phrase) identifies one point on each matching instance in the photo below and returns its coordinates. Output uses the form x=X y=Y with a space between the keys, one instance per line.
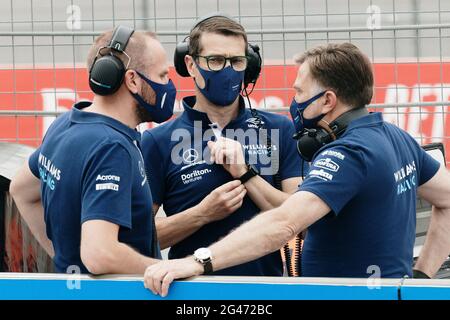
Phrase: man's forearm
x=268 y=232
x=263 y=194
x=178 y=227
x=437 y=244
x=33 y=215
x=262 y=235
x=125 y=260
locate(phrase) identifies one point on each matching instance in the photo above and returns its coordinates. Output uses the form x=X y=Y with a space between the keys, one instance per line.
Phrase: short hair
x=136 y=49
x=342 y=68
x=218 y=25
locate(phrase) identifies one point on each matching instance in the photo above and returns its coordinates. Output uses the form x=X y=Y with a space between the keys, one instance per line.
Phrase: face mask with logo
x=165 y=100
x=297 y=110
x=221 y=87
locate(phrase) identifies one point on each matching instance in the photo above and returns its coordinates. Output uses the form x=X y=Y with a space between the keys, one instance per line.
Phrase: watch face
x=202 y=253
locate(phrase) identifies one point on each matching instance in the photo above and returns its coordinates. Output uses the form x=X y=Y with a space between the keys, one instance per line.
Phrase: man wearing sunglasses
x=208 y=178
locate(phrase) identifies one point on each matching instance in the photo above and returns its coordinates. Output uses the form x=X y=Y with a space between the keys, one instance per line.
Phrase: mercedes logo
x=190 y=156
x=141 y=169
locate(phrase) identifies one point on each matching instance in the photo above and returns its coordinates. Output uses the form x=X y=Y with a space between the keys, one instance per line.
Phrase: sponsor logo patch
x=190 y=156
x=253 y=123
x=194 y=175
x=107 y=186
x=327 y=164
x=108 y=177
x=321 y=174
x=333 y=153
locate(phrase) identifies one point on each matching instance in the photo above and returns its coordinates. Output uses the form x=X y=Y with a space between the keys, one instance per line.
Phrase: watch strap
x=251 y=172
x=207 y=267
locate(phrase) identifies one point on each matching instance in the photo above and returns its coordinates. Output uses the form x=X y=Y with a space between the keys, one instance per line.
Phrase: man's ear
x=131 y=82
x=190 y=65
x=330 y=101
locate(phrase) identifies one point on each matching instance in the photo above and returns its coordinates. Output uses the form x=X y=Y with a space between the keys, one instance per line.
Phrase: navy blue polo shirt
x=369 y=178
x=181 y=175
x=91 y=167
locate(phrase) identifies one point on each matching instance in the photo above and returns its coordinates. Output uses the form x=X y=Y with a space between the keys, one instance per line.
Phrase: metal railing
x=44 y=46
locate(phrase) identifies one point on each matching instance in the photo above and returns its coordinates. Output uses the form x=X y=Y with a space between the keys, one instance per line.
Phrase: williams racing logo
x=48 y=172
x=258 y=149
x=405 y=178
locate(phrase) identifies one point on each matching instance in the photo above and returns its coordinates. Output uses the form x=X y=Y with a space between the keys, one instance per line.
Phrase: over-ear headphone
x=254 y=57
x=107 y=71
x=309 y=141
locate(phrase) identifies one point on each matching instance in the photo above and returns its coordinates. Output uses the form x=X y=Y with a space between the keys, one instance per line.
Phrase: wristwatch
x=252 y=172
x=203 y=256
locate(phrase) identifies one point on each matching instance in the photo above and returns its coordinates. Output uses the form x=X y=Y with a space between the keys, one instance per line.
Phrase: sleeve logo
x=327 y=164
x=333 y=153
x=320 y=174
x=107 y=186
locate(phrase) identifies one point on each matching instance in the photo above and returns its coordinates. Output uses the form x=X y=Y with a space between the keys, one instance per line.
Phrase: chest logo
x=190 y=156
x=254 y=123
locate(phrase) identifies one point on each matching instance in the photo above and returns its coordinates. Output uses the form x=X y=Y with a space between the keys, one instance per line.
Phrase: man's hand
x=222 y=201
x=228 y=153
x=159 y=276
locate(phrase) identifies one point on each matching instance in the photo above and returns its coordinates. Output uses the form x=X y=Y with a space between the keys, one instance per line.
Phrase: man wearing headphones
x=211 y=168
x=84 y=192
x=358 y=200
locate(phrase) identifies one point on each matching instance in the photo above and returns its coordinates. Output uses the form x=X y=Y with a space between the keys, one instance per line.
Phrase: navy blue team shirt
x=91 y=167
x=181 y=176
x=369 y=178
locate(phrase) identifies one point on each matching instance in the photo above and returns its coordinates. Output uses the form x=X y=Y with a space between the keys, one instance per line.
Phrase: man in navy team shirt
x=358 y=200
x=84 y=192
x=196 y=165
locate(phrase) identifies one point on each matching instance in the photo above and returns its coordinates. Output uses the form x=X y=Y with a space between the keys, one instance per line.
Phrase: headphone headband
x=120 y=38
x=209 y=16
x=340 y=124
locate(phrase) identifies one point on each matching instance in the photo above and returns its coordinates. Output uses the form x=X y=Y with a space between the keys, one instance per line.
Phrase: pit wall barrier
x=23 y=286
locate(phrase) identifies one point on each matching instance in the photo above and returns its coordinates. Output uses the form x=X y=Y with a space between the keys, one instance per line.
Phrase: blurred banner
x=19 y=250
x=22 y=253
x=52 y=90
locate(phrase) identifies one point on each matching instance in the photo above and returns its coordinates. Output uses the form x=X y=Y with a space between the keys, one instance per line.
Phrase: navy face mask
x=297 y=110
x=165 y=100
x=221 y=87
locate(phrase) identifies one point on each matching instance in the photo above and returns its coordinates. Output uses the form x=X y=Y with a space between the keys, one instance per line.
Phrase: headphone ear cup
x=106 y=75
x=254 y=64
x=310 y=142
x=181 y=50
